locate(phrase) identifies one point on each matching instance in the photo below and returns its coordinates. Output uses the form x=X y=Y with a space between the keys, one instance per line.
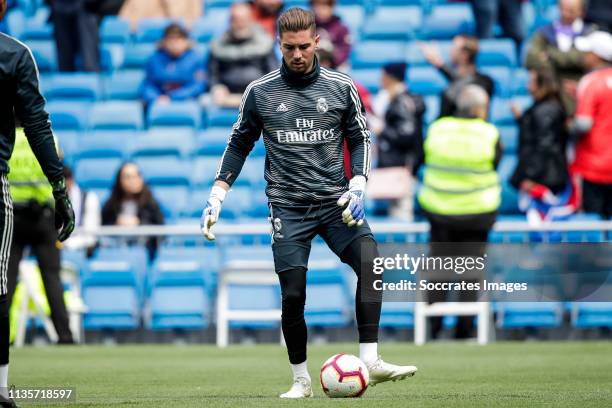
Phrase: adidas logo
x=282 y=108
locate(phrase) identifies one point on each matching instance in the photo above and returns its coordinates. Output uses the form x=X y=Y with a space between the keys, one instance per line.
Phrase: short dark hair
x=296 y=19
x=470 y=47
x=547 y=82
x=177 y=30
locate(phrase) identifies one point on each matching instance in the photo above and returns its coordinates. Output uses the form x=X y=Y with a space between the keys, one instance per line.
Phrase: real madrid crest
x=322 y=105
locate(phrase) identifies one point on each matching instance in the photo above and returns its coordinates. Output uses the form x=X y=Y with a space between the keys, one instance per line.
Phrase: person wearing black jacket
x=600 y=12
x=461 y=72
x=543 y=137
x=22 y=98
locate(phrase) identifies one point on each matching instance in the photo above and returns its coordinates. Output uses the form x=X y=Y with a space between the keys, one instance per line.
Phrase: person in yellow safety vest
x=461 y=191
x=34 y=227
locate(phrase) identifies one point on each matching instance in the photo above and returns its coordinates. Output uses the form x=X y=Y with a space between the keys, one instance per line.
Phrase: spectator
x=593 y=162
x=553 y=48
x=87 y=214
x=460 y=73
x=506 y=12
x=75 y=29
x=542 y=175
x=131 y=203
x=400 y=141
x=461 y=191
x=265 y=13
x=187 y=11
x=335 y=36
x=241 y=55
x=599 y=12
x=175 y=71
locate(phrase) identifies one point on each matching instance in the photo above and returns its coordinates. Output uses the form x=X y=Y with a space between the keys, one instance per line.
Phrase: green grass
x=572 y=374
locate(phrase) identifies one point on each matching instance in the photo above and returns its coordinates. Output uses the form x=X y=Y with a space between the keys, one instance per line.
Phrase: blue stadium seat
x=259 y=205
x=512 y=315
x=97 y=173
x=204 y=170
x=251 y=252
x=502 y=76
x=114 y=30
x=253 y=172
x=124 y=84
x=165 y=170
x=500 y=113
x=591 y=314
x=509 y=195
x=221 y=117
x=106 y=144
x=328 y=302
x=368 y=77
x=352 y=16
x=83 y=87
x=212 y=142
x=374 y=54
x=111 y=293
x=172 y=142
x=241 y=202
x=207 y=258
x=196 y=202
x=520 y=79
x=135 y=255
x=426 y=80
x=254 y=297
x=116 y=115
x=397 y=315
x=112 y=57
x=500 y=52
x=35 y=30
x=415 y=57
x=68 y=141
x=69 y=115
x=137 y=55
x=432 y=108
x=176 y=114
x=203 y=31
x=45 y=54
x=179 y=307
x=392 y=23
x=509 y=139
x=447 y=20
x=151 y=30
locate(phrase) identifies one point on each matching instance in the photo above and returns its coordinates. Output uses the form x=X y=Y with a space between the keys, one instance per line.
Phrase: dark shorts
x=293 y=229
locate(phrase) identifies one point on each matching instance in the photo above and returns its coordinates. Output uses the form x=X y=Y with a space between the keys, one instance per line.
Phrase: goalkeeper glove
x=210 y=215
x=64 y=214
x=353 y=202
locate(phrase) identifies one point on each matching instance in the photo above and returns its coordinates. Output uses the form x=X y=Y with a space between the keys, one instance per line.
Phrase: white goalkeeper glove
x=210 y=215
x=353 y=202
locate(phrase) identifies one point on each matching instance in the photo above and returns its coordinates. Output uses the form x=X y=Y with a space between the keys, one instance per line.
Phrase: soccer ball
x=344 y=375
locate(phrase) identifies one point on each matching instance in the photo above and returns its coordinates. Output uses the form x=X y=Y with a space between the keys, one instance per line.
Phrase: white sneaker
x=381 y=372
x=300 y=389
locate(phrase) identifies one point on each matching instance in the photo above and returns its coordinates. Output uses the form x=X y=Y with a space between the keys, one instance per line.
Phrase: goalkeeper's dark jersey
x=305 y=120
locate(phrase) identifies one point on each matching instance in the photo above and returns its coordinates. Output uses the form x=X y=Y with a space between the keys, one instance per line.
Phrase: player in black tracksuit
x=21 y=97
x=306 y=113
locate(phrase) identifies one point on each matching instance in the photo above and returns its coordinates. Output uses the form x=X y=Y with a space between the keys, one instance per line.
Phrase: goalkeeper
x=306 y=112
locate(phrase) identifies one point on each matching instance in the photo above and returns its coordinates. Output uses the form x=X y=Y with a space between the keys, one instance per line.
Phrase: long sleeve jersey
x=304 y=120
x=22 y=98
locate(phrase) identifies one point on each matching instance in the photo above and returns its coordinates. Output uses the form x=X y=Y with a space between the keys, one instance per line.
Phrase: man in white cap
x=593 y=163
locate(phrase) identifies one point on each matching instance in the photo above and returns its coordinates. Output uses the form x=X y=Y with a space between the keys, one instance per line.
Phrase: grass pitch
x=572 y=374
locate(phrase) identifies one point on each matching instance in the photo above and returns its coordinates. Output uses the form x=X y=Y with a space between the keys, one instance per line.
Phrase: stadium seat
x=36 y=31
x=374 y=54
x=114 y=30
x=151 y=30
x=110 y=291
x=116 y=115
x=84 y=87
x=500 y=113
x=328 y=303
x=497 y=52
x=97 y=173
x=254 y=297
x=432 y=108
x=212 y=142
x=591 y=314
x=207 y=258
x=124 y=84
x=426 y=80
x=68 y=141
x=205 y=29
x=241 y=201
x=137 y=55
x=502 y=76
x=513 y=315
x=112 y=57
x=221 y=117
x=509 y=139
x=176 y=114
x=392 y=23
x=397 y=315
x=106 y=144
x=447 y=20
x=352 y=16
x=164 y=142
x=69 y=115
x=368 y=77
x=45 y=54
x=204 y=170
x=253 y=172
x=179 y=307
x=258 y=207
x=520 y=78
x=415 y=57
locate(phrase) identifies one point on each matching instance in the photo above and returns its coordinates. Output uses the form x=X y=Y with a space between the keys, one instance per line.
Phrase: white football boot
x=381 y=372
x=301 y=388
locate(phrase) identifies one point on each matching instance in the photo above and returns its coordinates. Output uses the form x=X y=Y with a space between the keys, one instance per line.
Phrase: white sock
x=368 y=352
x=300 y=370
x=4 y=380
